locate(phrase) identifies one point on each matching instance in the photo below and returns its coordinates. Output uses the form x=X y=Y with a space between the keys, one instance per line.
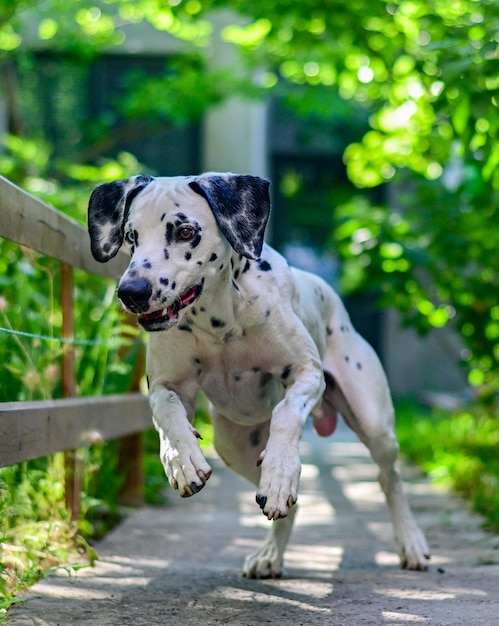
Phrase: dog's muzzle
x=135 y=295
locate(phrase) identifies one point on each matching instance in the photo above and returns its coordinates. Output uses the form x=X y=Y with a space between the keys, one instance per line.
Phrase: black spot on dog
x=167 y=254
x=265 y=379
x=359 y=366
x=264 y=265
x=228 y=335
x=235 y=286
x=164 y=281
x=200 y=263
x=174 y=284
x=246 y=267
x=147 y=265
x=157 y=295
x=347 y=359
x=213 y=257
x=236 y=274
x=221 y=267
x=286 y=371
x=216 y=323
x=186 y=328
x=237 y=377
x=163 y=217
x=181 y=216
x=194 y=311
x=255 y=437
x=267 y=313
x=188 y=256
x=202 y=309
x=194 y=243
x=169 y=233
x=329 y=331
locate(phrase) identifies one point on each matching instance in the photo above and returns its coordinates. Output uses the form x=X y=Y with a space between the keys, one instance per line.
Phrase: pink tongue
x=153 y=316
x=189 y=295
x=172 y=310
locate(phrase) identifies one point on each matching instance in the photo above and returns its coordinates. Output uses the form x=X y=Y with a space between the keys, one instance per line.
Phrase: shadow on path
x=180 y=564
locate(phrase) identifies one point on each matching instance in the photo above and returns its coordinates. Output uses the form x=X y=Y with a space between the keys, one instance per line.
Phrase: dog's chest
x=241 y=376
x=239 y=381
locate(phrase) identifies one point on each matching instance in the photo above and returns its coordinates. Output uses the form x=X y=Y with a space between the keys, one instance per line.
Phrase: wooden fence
x=30 y=430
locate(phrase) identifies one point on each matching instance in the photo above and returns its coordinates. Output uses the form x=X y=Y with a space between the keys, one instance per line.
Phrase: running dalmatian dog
x=268 y=344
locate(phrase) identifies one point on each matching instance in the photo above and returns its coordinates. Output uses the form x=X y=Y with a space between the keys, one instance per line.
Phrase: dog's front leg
x=280 y=461
x=184 y=463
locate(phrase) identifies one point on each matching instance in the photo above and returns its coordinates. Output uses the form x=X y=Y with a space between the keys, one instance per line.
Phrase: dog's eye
x=130 y=237
x=186 y=232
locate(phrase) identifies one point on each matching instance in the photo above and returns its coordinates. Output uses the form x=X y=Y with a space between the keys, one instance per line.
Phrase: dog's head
x=180 y=232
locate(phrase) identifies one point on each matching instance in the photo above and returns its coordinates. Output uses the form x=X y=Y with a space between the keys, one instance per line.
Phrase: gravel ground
x=180 y=564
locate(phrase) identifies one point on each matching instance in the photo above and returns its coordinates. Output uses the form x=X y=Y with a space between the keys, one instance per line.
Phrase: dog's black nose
x=135 y=294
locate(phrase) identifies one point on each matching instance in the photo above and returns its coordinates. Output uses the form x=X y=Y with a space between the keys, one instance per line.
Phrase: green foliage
x=436 y=261
x=426 y=72
x=36 y=533
x=35 y=527
x=457 y=449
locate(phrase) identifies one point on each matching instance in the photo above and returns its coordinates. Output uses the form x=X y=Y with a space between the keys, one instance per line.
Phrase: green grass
x=459 y=449
x=37 y=535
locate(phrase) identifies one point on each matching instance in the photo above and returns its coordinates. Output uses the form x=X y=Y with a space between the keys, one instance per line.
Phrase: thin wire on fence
x=118 y=341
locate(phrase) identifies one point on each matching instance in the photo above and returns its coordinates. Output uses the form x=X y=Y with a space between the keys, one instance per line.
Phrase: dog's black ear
x=108 y=210
x=241 y=206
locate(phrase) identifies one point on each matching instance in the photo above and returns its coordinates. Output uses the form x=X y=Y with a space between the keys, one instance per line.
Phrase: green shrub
x=458 y=449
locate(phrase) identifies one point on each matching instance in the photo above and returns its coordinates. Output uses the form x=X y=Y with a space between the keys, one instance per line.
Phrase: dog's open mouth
x=168 y=316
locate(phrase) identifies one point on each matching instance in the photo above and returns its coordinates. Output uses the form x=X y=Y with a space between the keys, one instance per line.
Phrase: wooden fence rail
x=30 y=430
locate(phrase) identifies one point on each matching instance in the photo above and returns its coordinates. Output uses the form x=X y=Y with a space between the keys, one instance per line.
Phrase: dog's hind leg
x=267 y=561
x=359 y=391
x=239 y=447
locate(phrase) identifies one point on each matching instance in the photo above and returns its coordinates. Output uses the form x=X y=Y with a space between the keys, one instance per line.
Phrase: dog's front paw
x=185 y=466
x=278 y=489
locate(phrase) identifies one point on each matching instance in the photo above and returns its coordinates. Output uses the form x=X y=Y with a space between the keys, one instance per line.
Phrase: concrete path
x=180 y=565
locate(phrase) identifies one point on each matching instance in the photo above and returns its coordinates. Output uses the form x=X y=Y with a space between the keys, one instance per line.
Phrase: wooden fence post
x=72 y=462
x=131 y=447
